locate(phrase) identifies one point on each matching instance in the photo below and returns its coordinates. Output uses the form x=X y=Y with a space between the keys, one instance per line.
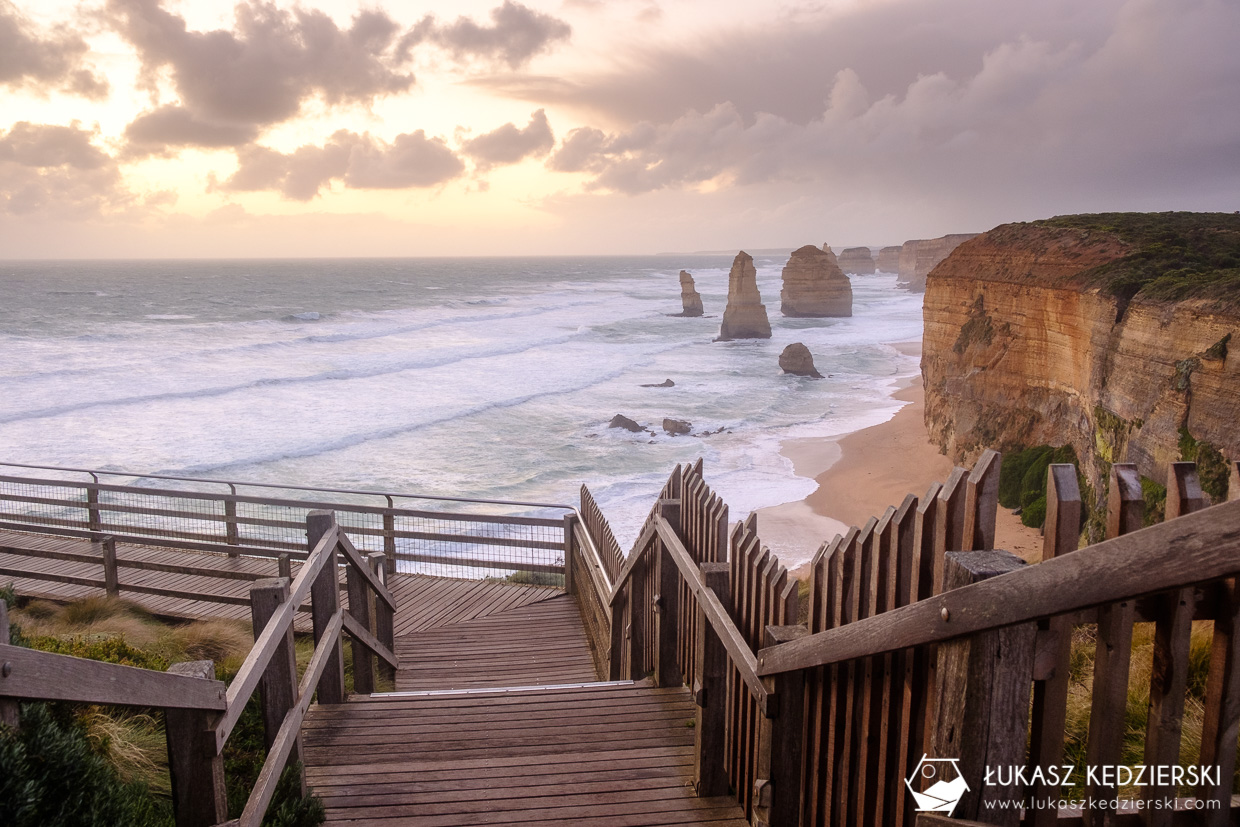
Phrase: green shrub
x=1155 y=497
x=106 y=649
x=8 y=595
x=50 y=775
x=1212 y=467
x=1022 y=480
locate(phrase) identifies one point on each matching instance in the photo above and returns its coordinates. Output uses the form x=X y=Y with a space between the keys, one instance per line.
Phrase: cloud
x=45 y=61
x=516 y=34
x=171 y=126
x=49 y=170
x=233 y=82
x=411 y=160
x=508 y=144
x=1044 y=121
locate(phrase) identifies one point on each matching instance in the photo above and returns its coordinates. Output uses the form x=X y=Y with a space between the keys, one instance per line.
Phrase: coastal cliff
x=889 y=260
x=1083 y=330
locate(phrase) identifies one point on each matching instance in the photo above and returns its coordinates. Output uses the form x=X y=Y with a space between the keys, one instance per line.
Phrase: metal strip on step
x=494 y=690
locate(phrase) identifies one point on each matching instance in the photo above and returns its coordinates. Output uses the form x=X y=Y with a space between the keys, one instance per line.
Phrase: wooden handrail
x=255 y=664
x=635 y=556
x=1207 y=547
x=46 y=676
x=716 y=613
x=596 y=570
x=277 y=756
x=354 y=558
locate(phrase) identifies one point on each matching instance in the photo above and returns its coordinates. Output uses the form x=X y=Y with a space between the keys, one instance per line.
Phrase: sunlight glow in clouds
x=164 y=128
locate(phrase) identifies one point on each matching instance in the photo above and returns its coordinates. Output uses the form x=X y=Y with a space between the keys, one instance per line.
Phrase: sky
x=159 y=128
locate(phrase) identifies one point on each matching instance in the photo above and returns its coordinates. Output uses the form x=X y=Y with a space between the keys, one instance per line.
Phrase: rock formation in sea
x=677 y=427
x=826 y=248
x=690 y=299
x=889 y=260
x=1026 y=345
x=857 y=261
x=814 y=286
x=622 y=421
x=919 y=257
x=666 y=383
x=744 y=317
x=797 y=360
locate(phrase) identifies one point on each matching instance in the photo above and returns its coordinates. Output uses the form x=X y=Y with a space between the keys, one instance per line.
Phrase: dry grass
x=1080 y=693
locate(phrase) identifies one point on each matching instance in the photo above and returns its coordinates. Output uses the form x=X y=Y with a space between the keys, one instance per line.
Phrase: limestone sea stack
x=797 y=360
x=814 y=286
x=857 y=261
x=744 y=317
x=826 y=248
x=889 y=260
x=689 y=296
x=919 y=257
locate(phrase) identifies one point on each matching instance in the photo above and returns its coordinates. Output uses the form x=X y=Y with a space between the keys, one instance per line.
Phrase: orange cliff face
x=1019 y=351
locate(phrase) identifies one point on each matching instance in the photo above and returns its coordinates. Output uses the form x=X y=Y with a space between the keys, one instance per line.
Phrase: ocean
x=473 y=377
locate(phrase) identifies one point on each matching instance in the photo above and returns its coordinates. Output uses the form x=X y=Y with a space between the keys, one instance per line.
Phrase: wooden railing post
x=385 y=618
x=278 y=685
x=667 y=670
x=710 y=692
x=389 y=539
x=570 y=520
x=1061 y=535
x=10 y=715
x=285 y=566
x=231 y=536
x=781 y=741
x=196 y=768
x=983 y=690
x=359 y=608
x=1221 y=724
x=111 y=582
x=93 y=519
x=324 y=603
x=619 y=630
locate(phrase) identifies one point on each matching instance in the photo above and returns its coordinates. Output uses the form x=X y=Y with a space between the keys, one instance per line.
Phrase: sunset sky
x=141 y=128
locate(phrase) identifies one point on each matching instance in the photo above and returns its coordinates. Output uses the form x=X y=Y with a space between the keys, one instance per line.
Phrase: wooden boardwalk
x=498 y=718
x=597 y=755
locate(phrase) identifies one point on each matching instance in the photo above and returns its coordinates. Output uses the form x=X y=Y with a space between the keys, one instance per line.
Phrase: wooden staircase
x=499 y=719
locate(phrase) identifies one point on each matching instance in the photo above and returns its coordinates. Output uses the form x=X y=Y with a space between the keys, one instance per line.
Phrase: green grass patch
x=1022 y=480
x=1174 y=256
x=1212 y=467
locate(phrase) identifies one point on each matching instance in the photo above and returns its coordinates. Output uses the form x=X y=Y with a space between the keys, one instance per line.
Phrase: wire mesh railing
x=439 y=536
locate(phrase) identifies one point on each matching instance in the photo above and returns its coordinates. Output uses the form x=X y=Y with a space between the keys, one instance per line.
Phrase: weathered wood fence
x=924 y=641
x=200 y=712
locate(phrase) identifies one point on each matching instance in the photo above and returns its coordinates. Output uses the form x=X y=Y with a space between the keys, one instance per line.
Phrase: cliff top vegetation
x=1171 y=255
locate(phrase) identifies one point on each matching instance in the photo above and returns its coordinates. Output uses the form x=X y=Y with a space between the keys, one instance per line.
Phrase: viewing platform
x=511 y=664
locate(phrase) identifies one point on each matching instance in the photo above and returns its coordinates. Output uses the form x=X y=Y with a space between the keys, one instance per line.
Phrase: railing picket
x=360 y=609
x=111 y=582
x=1061 y=534
x=385 y=615
x=904 y=688
x=10 y=712
x=1221 y=725
x=1172 y=637
x=780 y=742
x=981 y=503
x=1113 y=653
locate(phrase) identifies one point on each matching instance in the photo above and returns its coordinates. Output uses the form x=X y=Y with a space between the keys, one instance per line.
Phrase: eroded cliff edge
x=1118 y=334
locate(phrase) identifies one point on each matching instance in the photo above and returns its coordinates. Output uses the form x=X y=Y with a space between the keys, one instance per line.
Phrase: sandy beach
x=860 y=474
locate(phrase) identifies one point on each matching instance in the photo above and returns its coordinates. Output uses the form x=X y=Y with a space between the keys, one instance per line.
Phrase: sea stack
x=920 y=256
x=814 y=286
x=797 y=360
x=826 y=248
x=889 y=260
x=857 y=261
x=689 y=296
x=745 y=317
